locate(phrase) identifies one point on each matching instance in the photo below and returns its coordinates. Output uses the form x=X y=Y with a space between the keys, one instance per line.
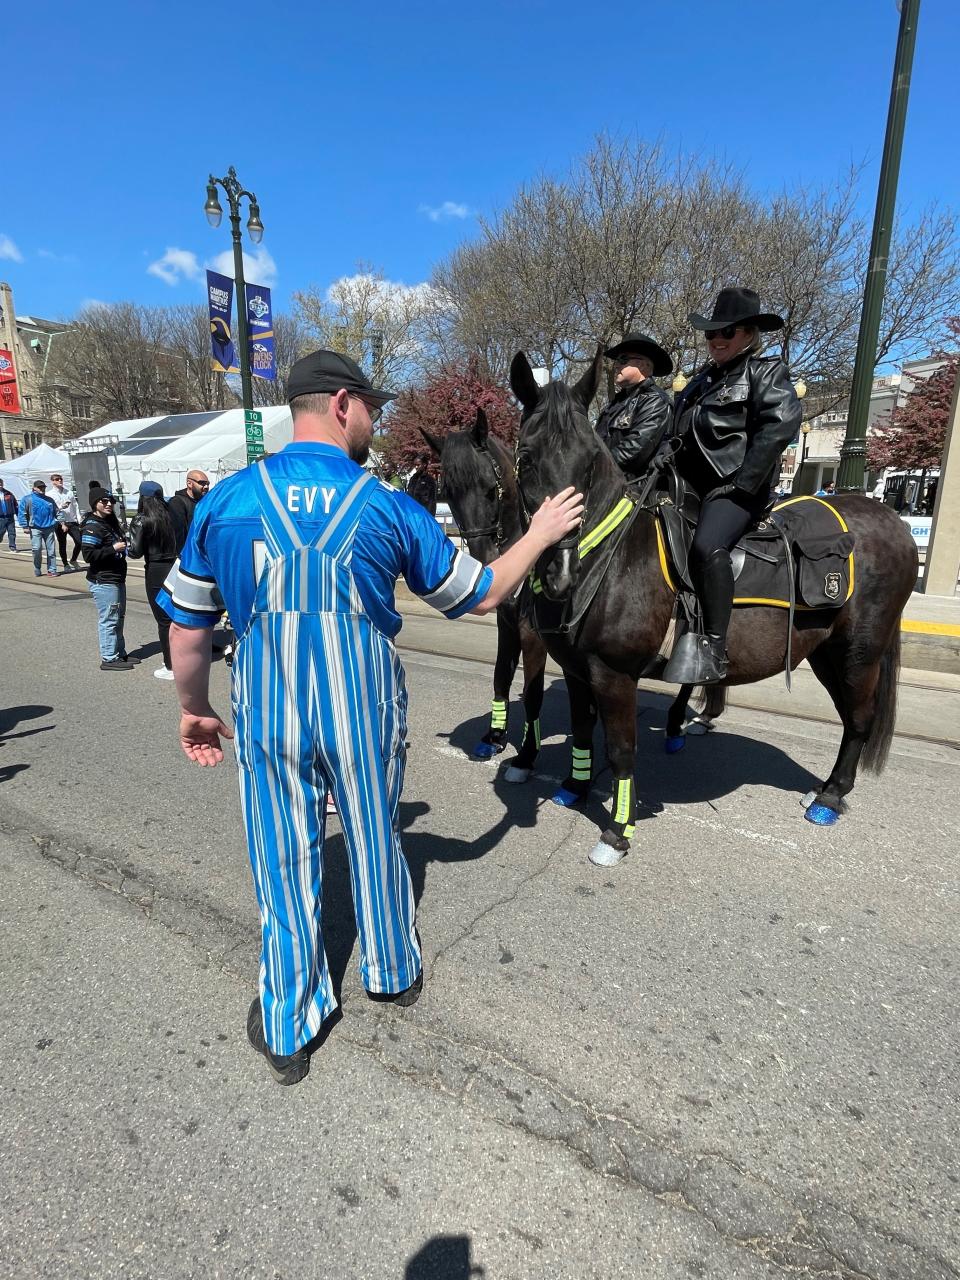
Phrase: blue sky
x=378 y=131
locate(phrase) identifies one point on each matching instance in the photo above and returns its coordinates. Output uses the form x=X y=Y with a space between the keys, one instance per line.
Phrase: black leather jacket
x=633 y=424
x=735 y=422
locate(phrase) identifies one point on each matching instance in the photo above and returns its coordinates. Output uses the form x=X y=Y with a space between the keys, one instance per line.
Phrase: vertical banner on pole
x=260 y=332
x=220 y=304
x=9 y=399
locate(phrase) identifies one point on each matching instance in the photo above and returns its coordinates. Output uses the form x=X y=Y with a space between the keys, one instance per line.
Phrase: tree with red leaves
x=916 y=435
x=448 y=401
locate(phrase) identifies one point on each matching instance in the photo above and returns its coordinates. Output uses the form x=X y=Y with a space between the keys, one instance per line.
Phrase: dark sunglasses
x=727 y=332
x=202 y=484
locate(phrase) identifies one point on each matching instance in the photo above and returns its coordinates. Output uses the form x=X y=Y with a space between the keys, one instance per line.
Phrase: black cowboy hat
x=639 y=344
x=737 y=306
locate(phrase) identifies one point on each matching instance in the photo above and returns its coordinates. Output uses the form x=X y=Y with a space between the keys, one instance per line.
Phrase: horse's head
x=556 y=448
x=476 y=469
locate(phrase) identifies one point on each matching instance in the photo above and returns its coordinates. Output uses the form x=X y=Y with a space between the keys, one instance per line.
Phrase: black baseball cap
x=326 y=372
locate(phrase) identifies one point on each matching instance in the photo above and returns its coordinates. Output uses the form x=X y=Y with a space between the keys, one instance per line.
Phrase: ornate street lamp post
x=235 y=192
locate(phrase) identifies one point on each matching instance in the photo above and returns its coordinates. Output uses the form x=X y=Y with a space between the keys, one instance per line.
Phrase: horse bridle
x=495 y=529
x=571 y=539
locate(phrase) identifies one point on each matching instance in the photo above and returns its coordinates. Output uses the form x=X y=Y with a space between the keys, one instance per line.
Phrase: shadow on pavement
x=443 y=1258
x=10 y=717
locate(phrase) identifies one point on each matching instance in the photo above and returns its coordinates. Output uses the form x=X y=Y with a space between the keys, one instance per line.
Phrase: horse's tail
x=710 y=700
x=877 y=746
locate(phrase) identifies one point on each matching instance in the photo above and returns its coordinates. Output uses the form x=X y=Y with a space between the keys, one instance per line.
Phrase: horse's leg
x=534 y=667
x=617 y=698
x=865 y=697
x=508 y=655
x=712 y=703
x=583 y=719
x=675 y=717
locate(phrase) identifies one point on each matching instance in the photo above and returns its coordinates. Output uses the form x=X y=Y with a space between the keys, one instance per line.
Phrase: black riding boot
x=702 y=659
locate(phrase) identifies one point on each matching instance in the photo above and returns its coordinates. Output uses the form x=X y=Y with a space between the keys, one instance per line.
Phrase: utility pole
x=853 y=453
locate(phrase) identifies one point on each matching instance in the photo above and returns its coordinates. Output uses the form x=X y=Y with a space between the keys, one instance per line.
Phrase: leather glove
x=722 y=491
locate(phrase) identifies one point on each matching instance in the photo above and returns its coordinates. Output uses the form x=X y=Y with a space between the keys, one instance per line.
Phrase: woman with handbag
x=157 y=533
x=735 y=418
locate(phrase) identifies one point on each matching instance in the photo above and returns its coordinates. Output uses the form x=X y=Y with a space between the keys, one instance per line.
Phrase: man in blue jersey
x=304 y=550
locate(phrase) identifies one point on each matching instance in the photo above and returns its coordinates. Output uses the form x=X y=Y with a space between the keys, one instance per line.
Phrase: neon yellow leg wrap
x=498 y=714
x=582 y=769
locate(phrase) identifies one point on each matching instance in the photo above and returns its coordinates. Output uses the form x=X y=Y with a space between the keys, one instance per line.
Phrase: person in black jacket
x=184 y=501
x=735 y=418
x=157 y=533
x=105 y=552
x=422 y=486
x=640 y=414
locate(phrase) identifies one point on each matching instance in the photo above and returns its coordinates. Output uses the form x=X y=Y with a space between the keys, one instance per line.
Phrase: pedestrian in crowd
x=304 y=549
x=735 y=419
x=157 y=533
x=826 y=491
x=68 y=522
x=38 y=515
x=422 y=486
x=639 y=416
x=105 y=552
x=184 y=501
x=8 y=517
x=94 y=484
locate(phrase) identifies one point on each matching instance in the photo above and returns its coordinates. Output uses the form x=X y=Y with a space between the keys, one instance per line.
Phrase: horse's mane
x=555 y=405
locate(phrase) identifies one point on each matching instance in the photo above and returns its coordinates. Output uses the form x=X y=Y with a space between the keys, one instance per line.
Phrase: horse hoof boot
x=674 y=743
x=698 y=726
x=821 y=815
x=605 y=855
x=513 y=774
x=486 y=750
x=566 y=798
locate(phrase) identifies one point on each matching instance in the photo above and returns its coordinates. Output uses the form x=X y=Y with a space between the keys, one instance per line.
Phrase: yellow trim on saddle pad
x=599 y=533
x=776 y=604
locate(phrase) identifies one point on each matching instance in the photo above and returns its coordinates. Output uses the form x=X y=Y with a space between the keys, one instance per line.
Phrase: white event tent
x=40 y=463
x=164 y=449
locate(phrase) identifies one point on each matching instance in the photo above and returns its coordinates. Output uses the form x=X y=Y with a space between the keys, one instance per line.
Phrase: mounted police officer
x=639 y=416
x=735 y=419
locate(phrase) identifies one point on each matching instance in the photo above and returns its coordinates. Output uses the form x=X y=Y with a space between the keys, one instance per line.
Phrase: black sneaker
x=285 y=1070
x=134 y=662
x=403 y=998
x=115 y=664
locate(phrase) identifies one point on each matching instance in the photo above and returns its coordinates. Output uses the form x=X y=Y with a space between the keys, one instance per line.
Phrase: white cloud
x=176 y=264
x=258 y=266
x=9 y=250
x=444 y=212
x=56 y=257
x=357 y=287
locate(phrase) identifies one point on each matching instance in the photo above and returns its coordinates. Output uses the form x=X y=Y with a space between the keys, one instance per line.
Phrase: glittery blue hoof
x=672 y=745
x=822 y=815
x=565 y=798
x=485 y=751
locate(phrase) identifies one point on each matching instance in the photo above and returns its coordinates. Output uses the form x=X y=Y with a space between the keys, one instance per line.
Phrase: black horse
x=854 y=650
x=480 y=486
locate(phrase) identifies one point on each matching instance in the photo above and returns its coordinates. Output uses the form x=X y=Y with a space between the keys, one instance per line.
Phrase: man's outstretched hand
x=200 y=737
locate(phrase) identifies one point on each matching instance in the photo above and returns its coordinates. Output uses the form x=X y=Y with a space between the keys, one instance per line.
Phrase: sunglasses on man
x=726 y=332
x=375 y=411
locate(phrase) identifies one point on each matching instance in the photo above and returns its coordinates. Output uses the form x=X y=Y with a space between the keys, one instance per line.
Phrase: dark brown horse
x=480 y=486
x=854 y=650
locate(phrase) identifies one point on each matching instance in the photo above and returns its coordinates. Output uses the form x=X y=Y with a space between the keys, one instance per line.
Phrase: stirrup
x=696 y=659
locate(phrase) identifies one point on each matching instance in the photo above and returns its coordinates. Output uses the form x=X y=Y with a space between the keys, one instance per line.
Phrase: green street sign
x=253 y=415
x=253 y=430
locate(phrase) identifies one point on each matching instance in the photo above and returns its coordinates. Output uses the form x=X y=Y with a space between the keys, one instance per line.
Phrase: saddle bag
x=823 y=568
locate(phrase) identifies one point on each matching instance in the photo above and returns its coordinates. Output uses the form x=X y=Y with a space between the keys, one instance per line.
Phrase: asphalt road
x=734 y=1055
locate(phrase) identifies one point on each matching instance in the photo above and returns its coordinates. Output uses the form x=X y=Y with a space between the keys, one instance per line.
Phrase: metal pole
x=853 y=454
x=246 y=380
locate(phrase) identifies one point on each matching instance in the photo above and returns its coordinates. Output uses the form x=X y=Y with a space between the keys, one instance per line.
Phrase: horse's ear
x=586 y=388
x=480 y=430
x=522 y=381
x=432 y=441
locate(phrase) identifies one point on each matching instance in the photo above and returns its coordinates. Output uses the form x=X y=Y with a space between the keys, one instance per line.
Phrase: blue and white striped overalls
x=320 y=702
